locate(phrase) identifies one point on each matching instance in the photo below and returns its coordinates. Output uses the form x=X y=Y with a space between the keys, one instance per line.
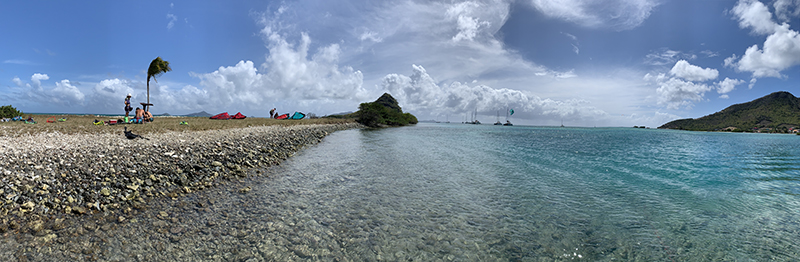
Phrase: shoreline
x=48 y=177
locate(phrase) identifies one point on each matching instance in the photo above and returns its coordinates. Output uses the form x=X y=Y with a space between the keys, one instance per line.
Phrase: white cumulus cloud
x=419 y=92
x=66 y=94
x=63 y=94
x=691 y=72
x=786 y=9
x=17 y=81
x=37 y=78
x=467 y=25
x=291 y=72
x=680 y=88
x=754 y=15
x=727 y=85
x=676 y=93
x=780 y=50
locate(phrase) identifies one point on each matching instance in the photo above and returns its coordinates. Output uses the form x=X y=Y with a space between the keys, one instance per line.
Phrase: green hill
x=383 y=112
x=776 y=112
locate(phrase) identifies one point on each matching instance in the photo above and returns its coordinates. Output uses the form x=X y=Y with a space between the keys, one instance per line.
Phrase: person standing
x=272 y=113
x=128 y=107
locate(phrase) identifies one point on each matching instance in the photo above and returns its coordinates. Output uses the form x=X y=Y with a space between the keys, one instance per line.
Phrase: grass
x=82 y=124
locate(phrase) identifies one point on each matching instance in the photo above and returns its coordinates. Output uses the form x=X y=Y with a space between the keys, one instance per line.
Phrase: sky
x=576 y=62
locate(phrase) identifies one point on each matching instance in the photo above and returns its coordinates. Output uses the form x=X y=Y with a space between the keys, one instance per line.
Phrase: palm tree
x=157 y=67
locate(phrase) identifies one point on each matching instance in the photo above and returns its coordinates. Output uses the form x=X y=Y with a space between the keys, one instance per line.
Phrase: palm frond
x=157 y=67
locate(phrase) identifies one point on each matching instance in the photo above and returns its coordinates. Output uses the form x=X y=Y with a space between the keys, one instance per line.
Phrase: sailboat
x=475 y=118
x=508 y=123
x=498 y=119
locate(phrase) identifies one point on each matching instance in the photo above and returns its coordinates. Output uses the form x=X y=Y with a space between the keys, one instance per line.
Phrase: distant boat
x=498 y=119
x=508 y=123
x=475 y=118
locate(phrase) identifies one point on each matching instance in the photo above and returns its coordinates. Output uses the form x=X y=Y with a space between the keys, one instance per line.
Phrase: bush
x=9 y=112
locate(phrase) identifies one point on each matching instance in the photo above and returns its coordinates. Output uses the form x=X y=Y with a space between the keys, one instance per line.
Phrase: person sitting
x=139 y=116
x=148 y=116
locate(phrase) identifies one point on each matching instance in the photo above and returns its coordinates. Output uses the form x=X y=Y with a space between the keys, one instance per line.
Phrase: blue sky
x=588 y=63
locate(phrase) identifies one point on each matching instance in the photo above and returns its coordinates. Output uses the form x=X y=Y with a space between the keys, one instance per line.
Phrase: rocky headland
x=49 y=177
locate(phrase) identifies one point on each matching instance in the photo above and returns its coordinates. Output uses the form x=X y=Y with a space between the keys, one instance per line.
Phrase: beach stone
x=105 y=191
x=49 y=237
x=174 y=238
x=216 y=163
x=36 y=226
x=302 y=251
x=13 y=225
x=28 y=205
x=59 y=224
x=79 y=210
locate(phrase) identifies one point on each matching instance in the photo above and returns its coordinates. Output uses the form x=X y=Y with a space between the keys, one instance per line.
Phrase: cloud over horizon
x=684 y=87
x=419 y=92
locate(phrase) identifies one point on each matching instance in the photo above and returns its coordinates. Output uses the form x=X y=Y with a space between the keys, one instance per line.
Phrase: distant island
x=778 y=112
x=201 y=113
x=384 y=112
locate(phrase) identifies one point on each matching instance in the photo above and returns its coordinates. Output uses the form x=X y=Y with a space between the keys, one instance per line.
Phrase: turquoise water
x=454 y=192
x=468 y=192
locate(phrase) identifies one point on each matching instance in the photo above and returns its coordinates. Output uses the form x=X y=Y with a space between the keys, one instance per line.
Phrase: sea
x=456 y=192
x=518 y=193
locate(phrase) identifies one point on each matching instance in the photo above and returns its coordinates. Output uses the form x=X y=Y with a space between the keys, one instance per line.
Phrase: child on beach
x=272 y=113
x=128 y=105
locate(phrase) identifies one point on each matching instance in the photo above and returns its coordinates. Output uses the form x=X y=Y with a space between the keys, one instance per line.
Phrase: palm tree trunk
x=148 y=91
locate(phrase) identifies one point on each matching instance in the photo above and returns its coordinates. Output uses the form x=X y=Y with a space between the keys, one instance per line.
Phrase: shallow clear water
x=562 y=193
x=456 y=192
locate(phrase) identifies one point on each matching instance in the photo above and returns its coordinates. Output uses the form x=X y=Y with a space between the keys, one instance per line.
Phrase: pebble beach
x=49 y=180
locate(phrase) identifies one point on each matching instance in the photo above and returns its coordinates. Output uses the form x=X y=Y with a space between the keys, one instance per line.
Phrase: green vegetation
x=778 y=112
x=157 y=67
x=9 y=112
x=383 y=112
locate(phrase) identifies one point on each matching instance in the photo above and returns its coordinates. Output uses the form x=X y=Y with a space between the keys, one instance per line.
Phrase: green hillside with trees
x=777 y=112
x=383 y=112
